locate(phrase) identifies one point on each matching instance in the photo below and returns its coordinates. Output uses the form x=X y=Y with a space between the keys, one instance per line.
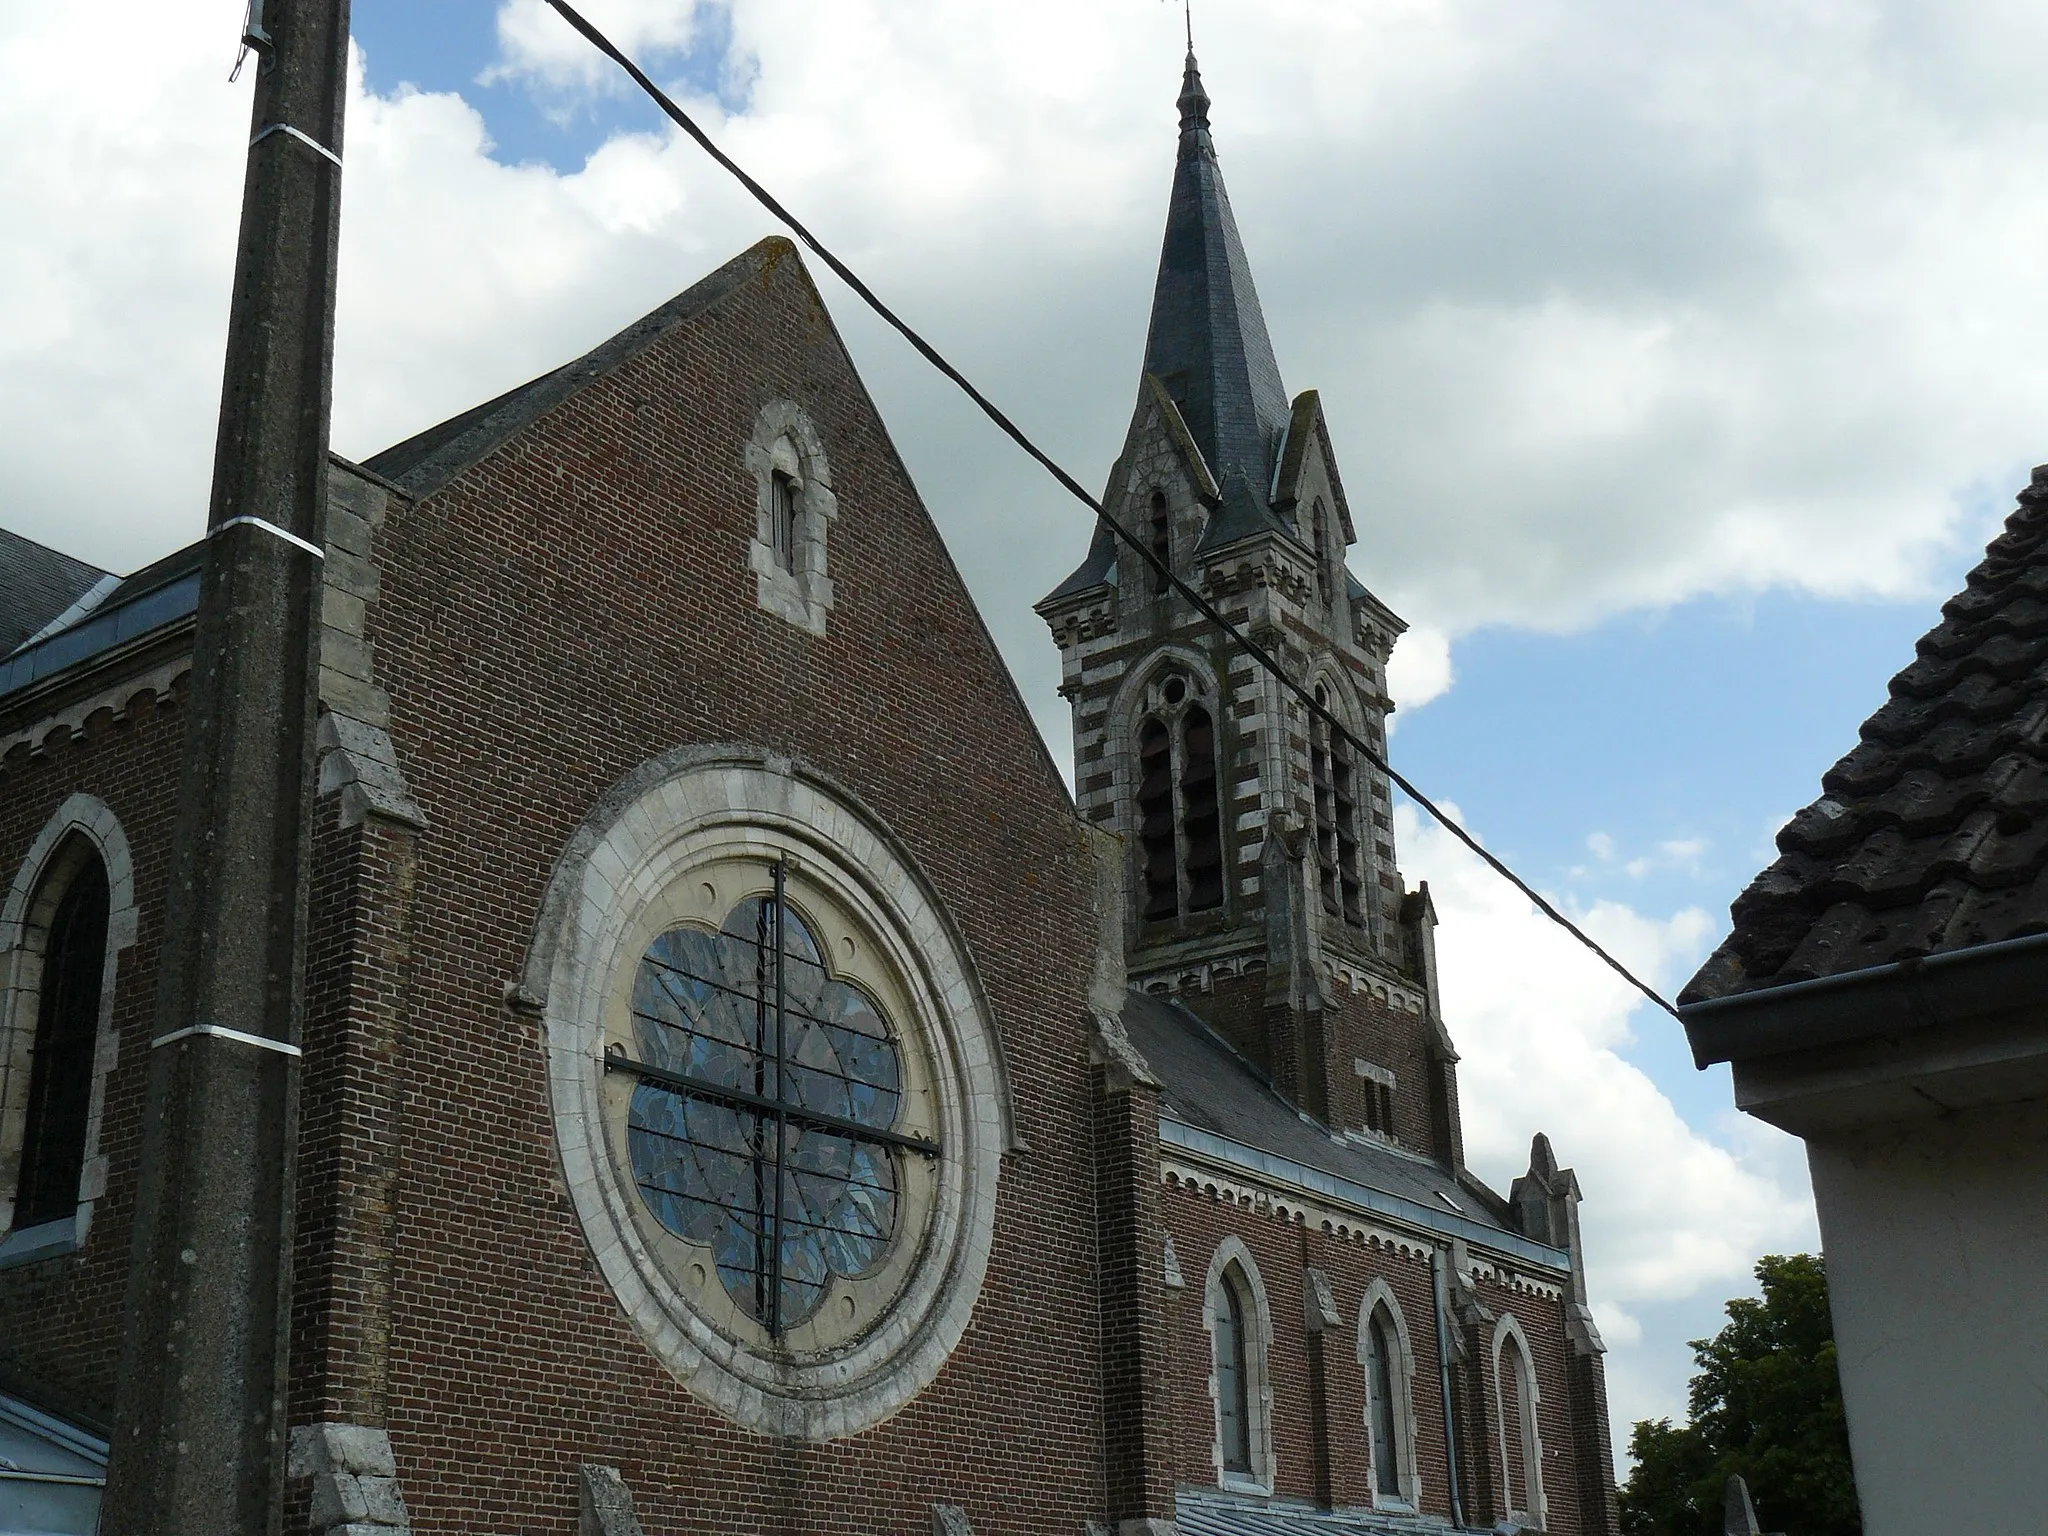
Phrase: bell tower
x=1260 y=877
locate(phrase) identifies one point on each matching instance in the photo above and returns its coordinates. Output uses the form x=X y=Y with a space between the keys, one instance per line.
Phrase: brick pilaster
x=1136 y=1374
x=349 y=1151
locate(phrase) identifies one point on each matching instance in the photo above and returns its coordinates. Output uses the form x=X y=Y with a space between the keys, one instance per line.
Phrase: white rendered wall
x=1936 y=1235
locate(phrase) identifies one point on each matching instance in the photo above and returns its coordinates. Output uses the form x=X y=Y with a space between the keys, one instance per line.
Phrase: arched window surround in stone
x=1137 y=699
x=1525 y=1432
x=83 y=827
x=1258 y=1355
x=785 y=446
x=1379 y=1296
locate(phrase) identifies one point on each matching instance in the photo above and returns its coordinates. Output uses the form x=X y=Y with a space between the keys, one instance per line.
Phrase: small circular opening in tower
x=1175 y=690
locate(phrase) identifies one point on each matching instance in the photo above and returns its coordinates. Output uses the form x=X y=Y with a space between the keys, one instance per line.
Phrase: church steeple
x=1208 y=343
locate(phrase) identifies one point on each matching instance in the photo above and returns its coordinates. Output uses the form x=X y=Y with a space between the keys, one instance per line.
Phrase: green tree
x=1766 y=1403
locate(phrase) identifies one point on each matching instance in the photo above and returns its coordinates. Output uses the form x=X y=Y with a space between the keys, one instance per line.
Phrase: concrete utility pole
x=200 y=1429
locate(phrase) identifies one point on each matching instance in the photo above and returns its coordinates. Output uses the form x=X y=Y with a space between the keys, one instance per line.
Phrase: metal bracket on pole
x=283 y=533
x=222 y=1032
x=304 y=138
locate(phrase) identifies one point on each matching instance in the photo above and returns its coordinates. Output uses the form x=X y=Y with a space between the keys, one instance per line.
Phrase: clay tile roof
x=1932 y=833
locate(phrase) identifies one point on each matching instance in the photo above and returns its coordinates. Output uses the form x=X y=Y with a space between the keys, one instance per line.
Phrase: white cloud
x=1420 y=669
x=1673 y=1214
x=535 y=42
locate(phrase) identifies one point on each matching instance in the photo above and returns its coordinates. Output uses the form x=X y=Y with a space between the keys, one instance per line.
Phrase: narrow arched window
x=1162 y=540
x=1233 y=1375
x=1201 y=819
x=1157 y=835
x=782 y=516
x=1321 y=533
x=1380 y=1378
x=1334 y=778
x=60 y=1072
x=1520 y=1447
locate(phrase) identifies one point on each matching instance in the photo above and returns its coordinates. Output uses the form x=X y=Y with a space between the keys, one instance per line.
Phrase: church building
x=743 y=1088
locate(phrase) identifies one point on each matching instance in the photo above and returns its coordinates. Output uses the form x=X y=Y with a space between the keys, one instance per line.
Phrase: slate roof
x=1220 y=1514
x=425 y=462
x=1208 y=346
x=1208 y=340
x=1206 y=1084
x=1932 y=835
x=36 y=584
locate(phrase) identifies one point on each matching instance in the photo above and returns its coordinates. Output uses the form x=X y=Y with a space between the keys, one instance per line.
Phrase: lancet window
x=1521 y=1448
x=1161 y=529
x=61 y=1070
x=1233 y=1373
x=1179 y=814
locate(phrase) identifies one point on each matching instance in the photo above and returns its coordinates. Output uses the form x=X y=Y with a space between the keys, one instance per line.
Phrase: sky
x=1678 y=361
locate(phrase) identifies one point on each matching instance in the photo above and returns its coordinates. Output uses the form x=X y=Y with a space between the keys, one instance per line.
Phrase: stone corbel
x=1110 y=1047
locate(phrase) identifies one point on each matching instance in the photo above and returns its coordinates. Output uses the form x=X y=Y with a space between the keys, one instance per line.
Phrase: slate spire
x=1208 y=341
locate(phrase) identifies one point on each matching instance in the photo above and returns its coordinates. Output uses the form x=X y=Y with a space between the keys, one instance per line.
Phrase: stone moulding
x=91 y=819
x=646 y=833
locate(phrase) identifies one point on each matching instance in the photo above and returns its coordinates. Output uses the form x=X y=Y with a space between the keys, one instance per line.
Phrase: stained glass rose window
x=777 y=1090
x=763 y=1122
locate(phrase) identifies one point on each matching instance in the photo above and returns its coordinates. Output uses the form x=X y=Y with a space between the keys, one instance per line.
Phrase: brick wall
x=61 y=1339
x=557 y=615
x=1329 y=1395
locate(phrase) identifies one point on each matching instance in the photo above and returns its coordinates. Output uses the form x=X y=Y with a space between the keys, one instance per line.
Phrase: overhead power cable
x=1130 y=540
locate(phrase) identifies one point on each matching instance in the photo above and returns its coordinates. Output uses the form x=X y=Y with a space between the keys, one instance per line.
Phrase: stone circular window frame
x=645 y=836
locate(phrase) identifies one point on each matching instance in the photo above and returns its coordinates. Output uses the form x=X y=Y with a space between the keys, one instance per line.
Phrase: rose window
x=762 y=1123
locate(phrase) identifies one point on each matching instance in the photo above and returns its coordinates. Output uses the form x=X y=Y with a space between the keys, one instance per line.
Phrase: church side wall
x=567 y=610
x=1285 y=1247
x=61 y=1317
x=1541 y=1317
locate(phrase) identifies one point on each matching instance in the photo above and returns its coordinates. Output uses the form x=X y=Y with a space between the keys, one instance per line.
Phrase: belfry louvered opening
x=1334 y=776
x=1179 y=818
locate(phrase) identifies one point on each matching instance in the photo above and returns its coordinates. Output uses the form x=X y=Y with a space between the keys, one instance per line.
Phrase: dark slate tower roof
x=1208 y=341
x=1208 y=347
x=1932 y=835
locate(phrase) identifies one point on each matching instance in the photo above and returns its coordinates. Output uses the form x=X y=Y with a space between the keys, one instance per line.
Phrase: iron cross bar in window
x=778 y=1104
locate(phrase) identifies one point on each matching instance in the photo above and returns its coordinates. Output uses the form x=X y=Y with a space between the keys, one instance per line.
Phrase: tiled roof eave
x=1956 y=987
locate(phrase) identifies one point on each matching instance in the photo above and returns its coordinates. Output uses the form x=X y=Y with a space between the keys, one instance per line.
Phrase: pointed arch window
x=1233 y=1376
x=1240 y=1339
x=1179 y=809
x=1379 y=1383
x=1161 y=528
x=1389 y=1369
x=1334 y=775
x=66 y=1028
x=1201 y=819
x=1521 y=1447
x=1320 y=532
